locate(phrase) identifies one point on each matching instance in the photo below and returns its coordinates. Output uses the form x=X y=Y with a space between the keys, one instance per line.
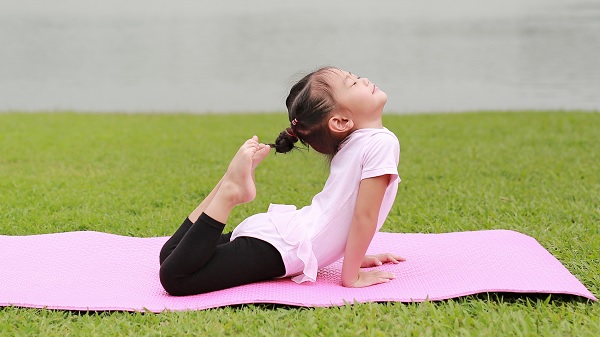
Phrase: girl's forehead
x=336 y=75
x=338 y=72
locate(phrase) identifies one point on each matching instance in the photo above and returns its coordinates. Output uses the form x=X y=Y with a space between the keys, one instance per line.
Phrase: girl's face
x=360 y=97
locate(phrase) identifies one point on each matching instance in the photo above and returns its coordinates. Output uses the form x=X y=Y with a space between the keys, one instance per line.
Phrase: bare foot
x=238 y=182
x=261 y=153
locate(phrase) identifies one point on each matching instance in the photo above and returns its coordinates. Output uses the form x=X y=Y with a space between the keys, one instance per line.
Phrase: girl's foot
x=261 y=153
x=237 y=185
x=238 y=182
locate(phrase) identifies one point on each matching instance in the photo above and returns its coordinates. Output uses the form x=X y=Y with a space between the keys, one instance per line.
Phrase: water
x=239 y=55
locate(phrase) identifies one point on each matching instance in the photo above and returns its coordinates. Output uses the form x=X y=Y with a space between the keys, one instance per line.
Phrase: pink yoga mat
x=99 y=271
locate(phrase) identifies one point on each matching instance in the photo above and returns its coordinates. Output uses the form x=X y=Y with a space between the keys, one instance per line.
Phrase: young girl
x=339 y=115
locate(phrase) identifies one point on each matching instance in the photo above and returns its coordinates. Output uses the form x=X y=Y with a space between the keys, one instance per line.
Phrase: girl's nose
x=365 y=80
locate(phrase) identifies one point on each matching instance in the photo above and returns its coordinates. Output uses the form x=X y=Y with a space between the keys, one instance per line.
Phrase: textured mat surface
x=99 y=271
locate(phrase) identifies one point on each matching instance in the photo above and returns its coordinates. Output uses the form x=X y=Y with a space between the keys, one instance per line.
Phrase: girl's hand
x=372 y=277
x=379 y=259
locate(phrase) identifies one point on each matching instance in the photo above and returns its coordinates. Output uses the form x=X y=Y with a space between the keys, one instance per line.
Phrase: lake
x=243 y=56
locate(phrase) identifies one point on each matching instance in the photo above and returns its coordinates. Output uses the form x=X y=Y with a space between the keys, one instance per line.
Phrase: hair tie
x=291 y=133
x=294 y=122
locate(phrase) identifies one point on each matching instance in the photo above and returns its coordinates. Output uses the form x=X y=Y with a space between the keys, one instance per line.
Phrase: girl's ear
x=340 y=124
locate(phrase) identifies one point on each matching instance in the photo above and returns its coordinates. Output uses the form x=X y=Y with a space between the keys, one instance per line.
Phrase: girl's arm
x=364 y=224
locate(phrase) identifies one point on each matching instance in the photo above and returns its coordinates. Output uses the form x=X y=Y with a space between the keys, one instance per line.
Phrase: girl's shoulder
x=370 y=138
x=377 y=136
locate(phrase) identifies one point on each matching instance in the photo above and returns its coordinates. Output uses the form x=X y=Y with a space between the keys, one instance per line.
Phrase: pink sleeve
x=381 y=156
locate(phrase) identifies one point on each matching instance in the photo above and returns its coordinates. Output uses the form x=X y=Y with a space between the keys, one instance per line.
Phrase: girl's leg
x=256 y=152
x=195 y=248
x=202 y=207
x=241 y=261
x=199 y=241
x=174 y=240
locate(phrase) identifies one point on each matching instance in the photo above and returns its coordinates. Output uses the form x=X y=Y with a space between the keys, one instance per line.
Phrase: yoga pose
x=339 y=115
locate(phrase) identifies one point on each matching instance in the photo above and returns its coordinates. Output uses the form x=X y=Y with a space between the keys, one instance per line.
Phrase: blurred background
x=242 y=56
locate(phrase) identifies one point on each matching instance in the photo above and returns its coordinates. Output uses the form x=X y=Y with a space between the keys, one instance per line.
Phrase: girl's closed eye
x=358 y=78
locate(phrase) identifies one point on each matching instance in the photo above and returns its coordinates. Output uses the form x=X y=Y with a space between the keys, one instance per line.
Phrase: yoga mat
x=98 y=271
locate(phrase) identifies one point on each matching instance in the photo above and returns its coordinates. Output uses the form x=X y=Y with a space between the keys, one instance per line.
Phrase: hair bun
x=285 y=141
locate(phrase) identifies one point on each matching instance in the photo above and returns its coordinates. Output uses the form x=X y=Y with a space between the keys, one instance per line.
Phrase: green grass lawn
x=534 y=172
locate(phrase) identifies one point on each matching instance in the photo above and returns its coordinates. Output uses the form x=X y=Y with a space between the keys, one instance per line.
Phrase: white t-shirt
x=315 y=235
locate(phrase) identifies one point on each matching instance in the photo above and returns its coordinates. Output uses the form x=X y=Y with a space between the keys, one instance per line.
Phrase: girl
x=339 y=115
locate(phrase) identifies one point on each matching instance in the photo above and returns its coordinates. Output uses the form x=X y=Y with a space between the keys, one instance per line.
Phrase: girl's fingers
x=373 y=277
x=399 y=258
x=389 y=275
x=392 y=258
x=383 y=277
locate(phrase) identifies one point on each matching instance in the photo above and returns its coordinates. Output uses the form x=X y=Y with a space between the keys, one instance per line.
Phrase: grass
x=534 y=172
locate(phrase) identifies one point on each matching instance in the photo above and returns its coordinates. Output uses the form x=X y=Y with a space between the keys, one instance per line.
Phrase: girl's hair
x=309 y=105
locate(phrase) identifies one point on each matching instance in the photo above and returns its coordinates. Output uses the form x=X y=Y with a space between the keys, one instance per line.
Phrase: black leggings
x=199 y=258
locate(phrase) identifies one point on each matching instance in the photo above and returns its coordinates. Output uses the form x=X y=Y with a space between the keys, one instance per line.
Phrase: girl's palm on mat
x=372 y=277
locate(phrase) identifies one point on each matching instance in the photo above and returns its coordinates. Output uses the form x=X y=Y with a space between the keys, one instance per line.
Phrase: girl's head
x=325 y=106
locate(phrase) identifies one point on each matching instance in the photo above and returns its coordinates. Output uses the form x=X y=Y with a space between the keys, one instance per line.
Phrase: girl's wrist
x=352 y=282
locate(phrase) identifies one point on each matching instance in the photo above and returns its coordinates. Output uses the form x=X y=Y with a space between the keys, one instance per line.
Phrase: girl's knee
x=169 y=281
x=176 y=284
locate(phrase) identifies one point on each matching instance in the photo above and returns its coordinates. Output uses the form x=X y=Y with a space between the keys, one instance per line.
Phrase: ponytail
x=285 y=141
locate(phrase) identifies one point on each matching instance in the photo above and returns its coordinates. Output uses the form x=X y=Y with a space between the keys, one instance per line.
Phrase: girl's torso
x=315 y=235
